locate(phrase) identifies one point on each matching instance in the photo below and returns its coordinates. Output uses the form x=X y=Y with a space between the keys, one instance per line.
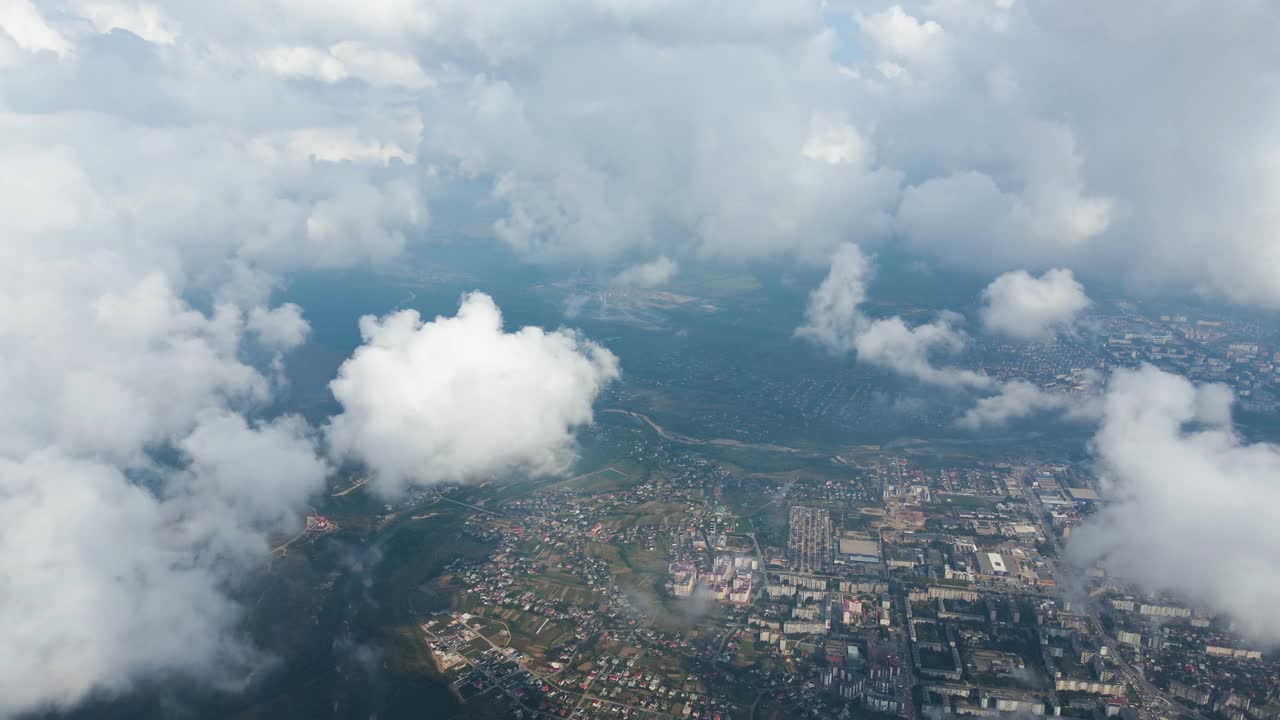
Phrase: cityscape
x=643 y=359
x=669 y=584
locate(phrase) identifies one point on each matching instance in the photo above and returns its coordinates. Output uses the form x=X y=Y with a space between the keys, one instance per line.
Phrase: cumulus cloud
x=123 y=565
x=1017 y=399
x=836 y=144
x=891 y=343
x=1183 y=496
x=111 y=581
x=1034 y=171
x=607 y=130
x=1049 y=218
x=835 y=320
x=1029 y=170
x=24 y=24
x=1026 y=307
x=590 y=162
x=144 y=232
x=144 y=20
x=459 y=398
x=345 y=60
x=648 y=275
x=899 y=33
x=833 y=317
x=279 y=328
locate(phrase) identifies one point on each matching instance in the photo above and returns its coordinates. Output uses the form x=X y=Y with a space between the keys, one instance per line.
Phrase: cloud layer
x=458 y=398
x=159 y=185
x=604 y=130
x=1184 y=499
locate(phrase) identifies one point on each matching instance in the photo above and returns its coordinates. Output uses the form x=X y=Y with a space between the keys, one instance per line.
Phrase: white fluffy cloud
x=1049 y=155
x=648 y=275
x=98 y=369
x=891 y=343
x=834 y=315
x=459 y=398
x=1016 y=399
x=1184 y=495
x=110 y=581
x=279 y=328
x=1026 y=307
x=142 y=19
x=835 y=320
x=148 y=209
x=24 y=24
x=836 y=144
x=899 y=33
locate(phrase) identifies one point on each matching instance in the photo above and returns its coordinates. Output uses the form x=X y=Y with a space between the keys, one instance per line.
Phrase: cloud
x=124 y=562
x=983 y=134
x=1050 y=217
x=1184 y=494
x=111 y=581
x=647 y=149
x=458 y=398
x=647 y=275
x=110 y=373
x=1033 y=170
x=345 y=60
x=145 y=231
x=1017 y=399
x=144 y=20
x=1022 y=306
x=344 y=144
x=834 y=319
x=891 y=343
x=279 y=328
x=836 y=144
x=1029 y=169
x=899 y=33
x=22 y=22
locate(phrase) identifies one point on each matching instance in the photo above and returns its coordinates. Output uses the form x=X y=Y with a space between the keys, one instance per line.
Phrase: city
x=666 y=584
x=678 y=359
